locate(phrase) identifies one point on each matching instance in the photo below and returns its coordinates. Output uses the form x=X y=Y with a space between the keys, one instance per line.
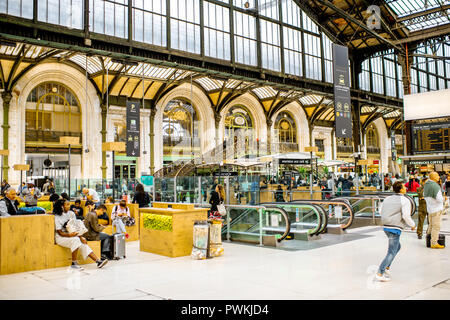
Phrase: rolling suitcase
x=118 y=246
x=441 y=240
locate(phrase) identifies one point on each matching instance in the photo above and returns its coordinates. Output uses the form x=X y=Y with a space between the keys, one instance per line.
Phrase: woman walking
x=217 y=197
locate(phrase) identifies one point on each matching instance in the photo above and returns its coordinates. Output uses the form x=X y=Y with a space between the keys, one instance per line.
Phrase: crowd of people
x=93 y=216
x=395 y=214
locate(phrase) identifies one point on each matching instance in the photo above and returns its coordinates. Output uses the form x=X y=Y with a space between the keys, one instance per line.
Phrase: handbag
x=221 y=209
x=75 y=225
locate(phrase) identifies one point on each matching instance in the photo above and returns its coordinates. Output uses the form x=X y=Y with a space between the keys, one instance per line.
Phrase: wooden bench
x=27 y=243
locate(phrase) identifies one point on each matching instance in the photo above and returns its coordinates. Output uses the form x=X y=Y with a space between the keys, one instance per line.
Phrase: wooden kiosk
x=167 y=229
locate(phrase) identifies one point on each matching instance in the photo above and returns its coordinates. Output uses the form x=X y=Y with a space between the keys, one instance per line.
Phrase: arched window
x=52 y=111
x=286 y=131
x=180 y=131
x=239 y=132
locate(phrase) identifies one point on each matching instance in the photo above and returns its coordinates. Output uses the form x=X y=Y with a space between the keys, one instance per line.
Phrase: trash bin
x=215 y=236
x=200 y=249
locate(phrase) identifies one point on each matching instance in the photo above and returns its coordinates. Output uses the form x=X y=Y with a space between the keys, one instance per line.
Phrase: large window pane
x=19 y=8
x=109 y=17
x=185 y=25
x=245 y=38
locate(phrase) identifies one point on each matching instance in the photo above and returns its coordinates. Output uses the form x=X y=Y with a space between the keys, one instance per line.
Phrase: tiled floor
x=340 y=271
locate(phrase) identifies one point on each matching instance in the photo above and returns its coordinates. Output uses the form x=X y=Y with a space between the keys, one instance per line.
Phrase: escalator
x=256 y=224
x=307 y=219
x=338 y=212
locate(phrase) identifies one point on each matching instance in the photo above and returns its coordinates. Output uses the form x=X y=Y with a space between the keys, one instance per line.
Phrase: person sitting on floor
x=94 y=228
x=71 y=240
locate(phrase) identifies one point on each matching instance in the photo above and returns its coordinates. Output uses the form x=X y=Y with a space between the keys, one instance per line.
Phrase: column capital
x=6 y=97
x=217 y=118
x=269 y=123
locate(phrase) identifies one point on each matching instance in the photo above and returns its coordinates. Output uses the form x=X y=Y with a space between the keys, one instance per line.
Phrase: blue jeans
x=393 y=249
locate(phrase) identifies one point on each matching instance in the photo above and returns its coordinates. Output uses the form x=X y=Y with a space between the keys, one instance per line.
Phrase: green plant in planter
x=302 y=171
x=157 y=222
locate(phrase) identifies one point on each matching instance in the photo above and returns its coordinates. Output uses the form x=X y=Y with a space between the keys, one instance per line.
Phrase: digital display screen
x=431 y=138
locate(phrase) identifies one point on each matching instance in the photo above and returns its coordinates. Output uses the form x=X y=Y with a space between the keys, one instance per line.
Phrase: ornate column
x=103 y=132
x=152 y=137
x=217 y=149
x=269 y=123
x=6 y=97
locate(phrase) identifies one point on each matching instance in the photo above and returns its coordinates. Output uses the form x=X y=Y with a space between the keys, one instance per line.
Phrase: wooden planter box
x=177 y=242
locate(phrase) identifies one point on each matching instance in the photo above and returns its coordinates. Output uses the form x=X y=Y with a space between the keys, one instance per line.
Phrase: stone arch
x=204 y=111
x=89 y=105
x=301 y=121
x=256 y=110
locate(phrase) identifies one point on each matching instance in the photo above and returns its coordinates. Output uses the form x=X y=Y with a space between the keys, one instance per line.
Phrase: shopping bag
x=221 y=209
x=77 y=226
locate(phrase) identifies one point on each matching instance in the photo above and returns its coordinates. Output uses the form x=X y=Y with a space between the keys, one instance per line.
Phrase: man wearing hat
x=30 y=194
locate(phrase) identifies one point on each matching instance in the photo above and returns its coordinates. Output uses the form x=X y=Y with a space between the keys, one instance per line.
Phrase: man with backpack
x=395 y=216
x=432 y=194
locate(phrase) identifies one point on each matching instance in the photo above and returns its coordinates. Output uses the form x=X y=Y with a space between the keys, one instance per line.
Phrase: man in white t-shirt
x=91 y=194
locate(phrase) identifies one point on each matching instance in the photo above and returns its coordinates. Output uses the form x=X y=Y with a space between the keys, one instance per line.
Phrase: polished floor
x=336 y=271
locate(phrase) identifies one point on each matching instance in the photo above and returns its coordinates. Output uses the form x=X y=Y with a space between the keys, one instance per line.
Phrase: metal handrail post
x=373 y=210
x=200 y=189
x=260 y=227
x=175 y=189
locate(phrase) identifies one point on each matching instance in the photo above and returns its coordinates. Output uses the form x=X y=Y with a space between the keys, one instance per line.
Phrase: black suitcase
x=441 y=240
x=118 y=246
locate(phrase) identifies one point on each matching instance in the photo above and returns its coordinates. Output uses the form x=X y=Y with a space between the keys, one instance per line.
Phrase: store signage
x=225 y=174
x=424 y=162
x=294 y=161
x=342 y=100
x=133 y=129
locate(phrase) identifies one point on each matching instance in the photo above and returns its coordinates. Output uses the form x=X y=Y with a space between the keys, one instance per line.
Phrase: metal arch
x=284 y=103
x=358 y=23
x=38 y=60
x=235 y=93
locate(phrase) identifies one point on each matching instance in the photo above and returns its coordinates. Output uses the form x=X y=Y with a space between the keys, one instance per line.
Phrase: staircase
x=183 y=168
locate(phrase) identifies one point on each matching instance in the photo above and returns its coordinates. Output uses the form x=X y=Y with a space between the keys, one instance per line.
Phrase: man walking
x=422 y=209
x=435 y=206
x=395 y=216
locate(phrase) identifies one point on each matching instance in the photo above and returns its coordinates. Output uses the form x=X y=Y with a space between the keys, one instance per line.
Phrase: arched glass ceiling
x=273 y=35
x=421 y=14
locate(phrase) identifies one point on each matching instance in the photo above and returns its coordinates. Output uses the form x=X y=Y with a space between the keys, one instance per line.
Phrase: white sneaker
x=382 y=278
x=76 y=267
x=387 y=273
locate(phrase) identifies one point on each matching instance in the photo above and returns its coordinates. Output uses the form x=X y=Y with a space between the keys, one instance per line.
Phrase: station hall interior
x=238 y=149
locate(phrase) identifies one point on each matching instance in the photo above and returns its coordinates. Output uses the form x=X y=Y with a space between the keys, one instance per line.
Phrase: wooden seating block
x=61 y=257
x=27 y=243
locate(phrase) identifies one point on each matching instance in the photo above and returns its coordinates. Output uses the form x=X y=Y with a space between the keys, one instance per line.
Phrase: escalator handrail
x=384 y=195
x=286 y=218
x=333 y=201
x=320 y=217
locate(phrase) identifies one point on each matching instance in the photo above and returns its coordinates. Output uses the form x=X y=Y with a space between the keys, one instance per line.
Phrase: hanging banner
x=133 y=129
x=342 y=100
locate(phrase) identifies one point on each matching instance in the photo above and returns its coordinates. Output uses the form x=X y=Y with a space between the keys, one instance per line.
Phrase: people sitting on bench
x=120 y=217
x=71 y=240
x=95 y=229
x=77 y=209
x=30 y=195
x=9 y=205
